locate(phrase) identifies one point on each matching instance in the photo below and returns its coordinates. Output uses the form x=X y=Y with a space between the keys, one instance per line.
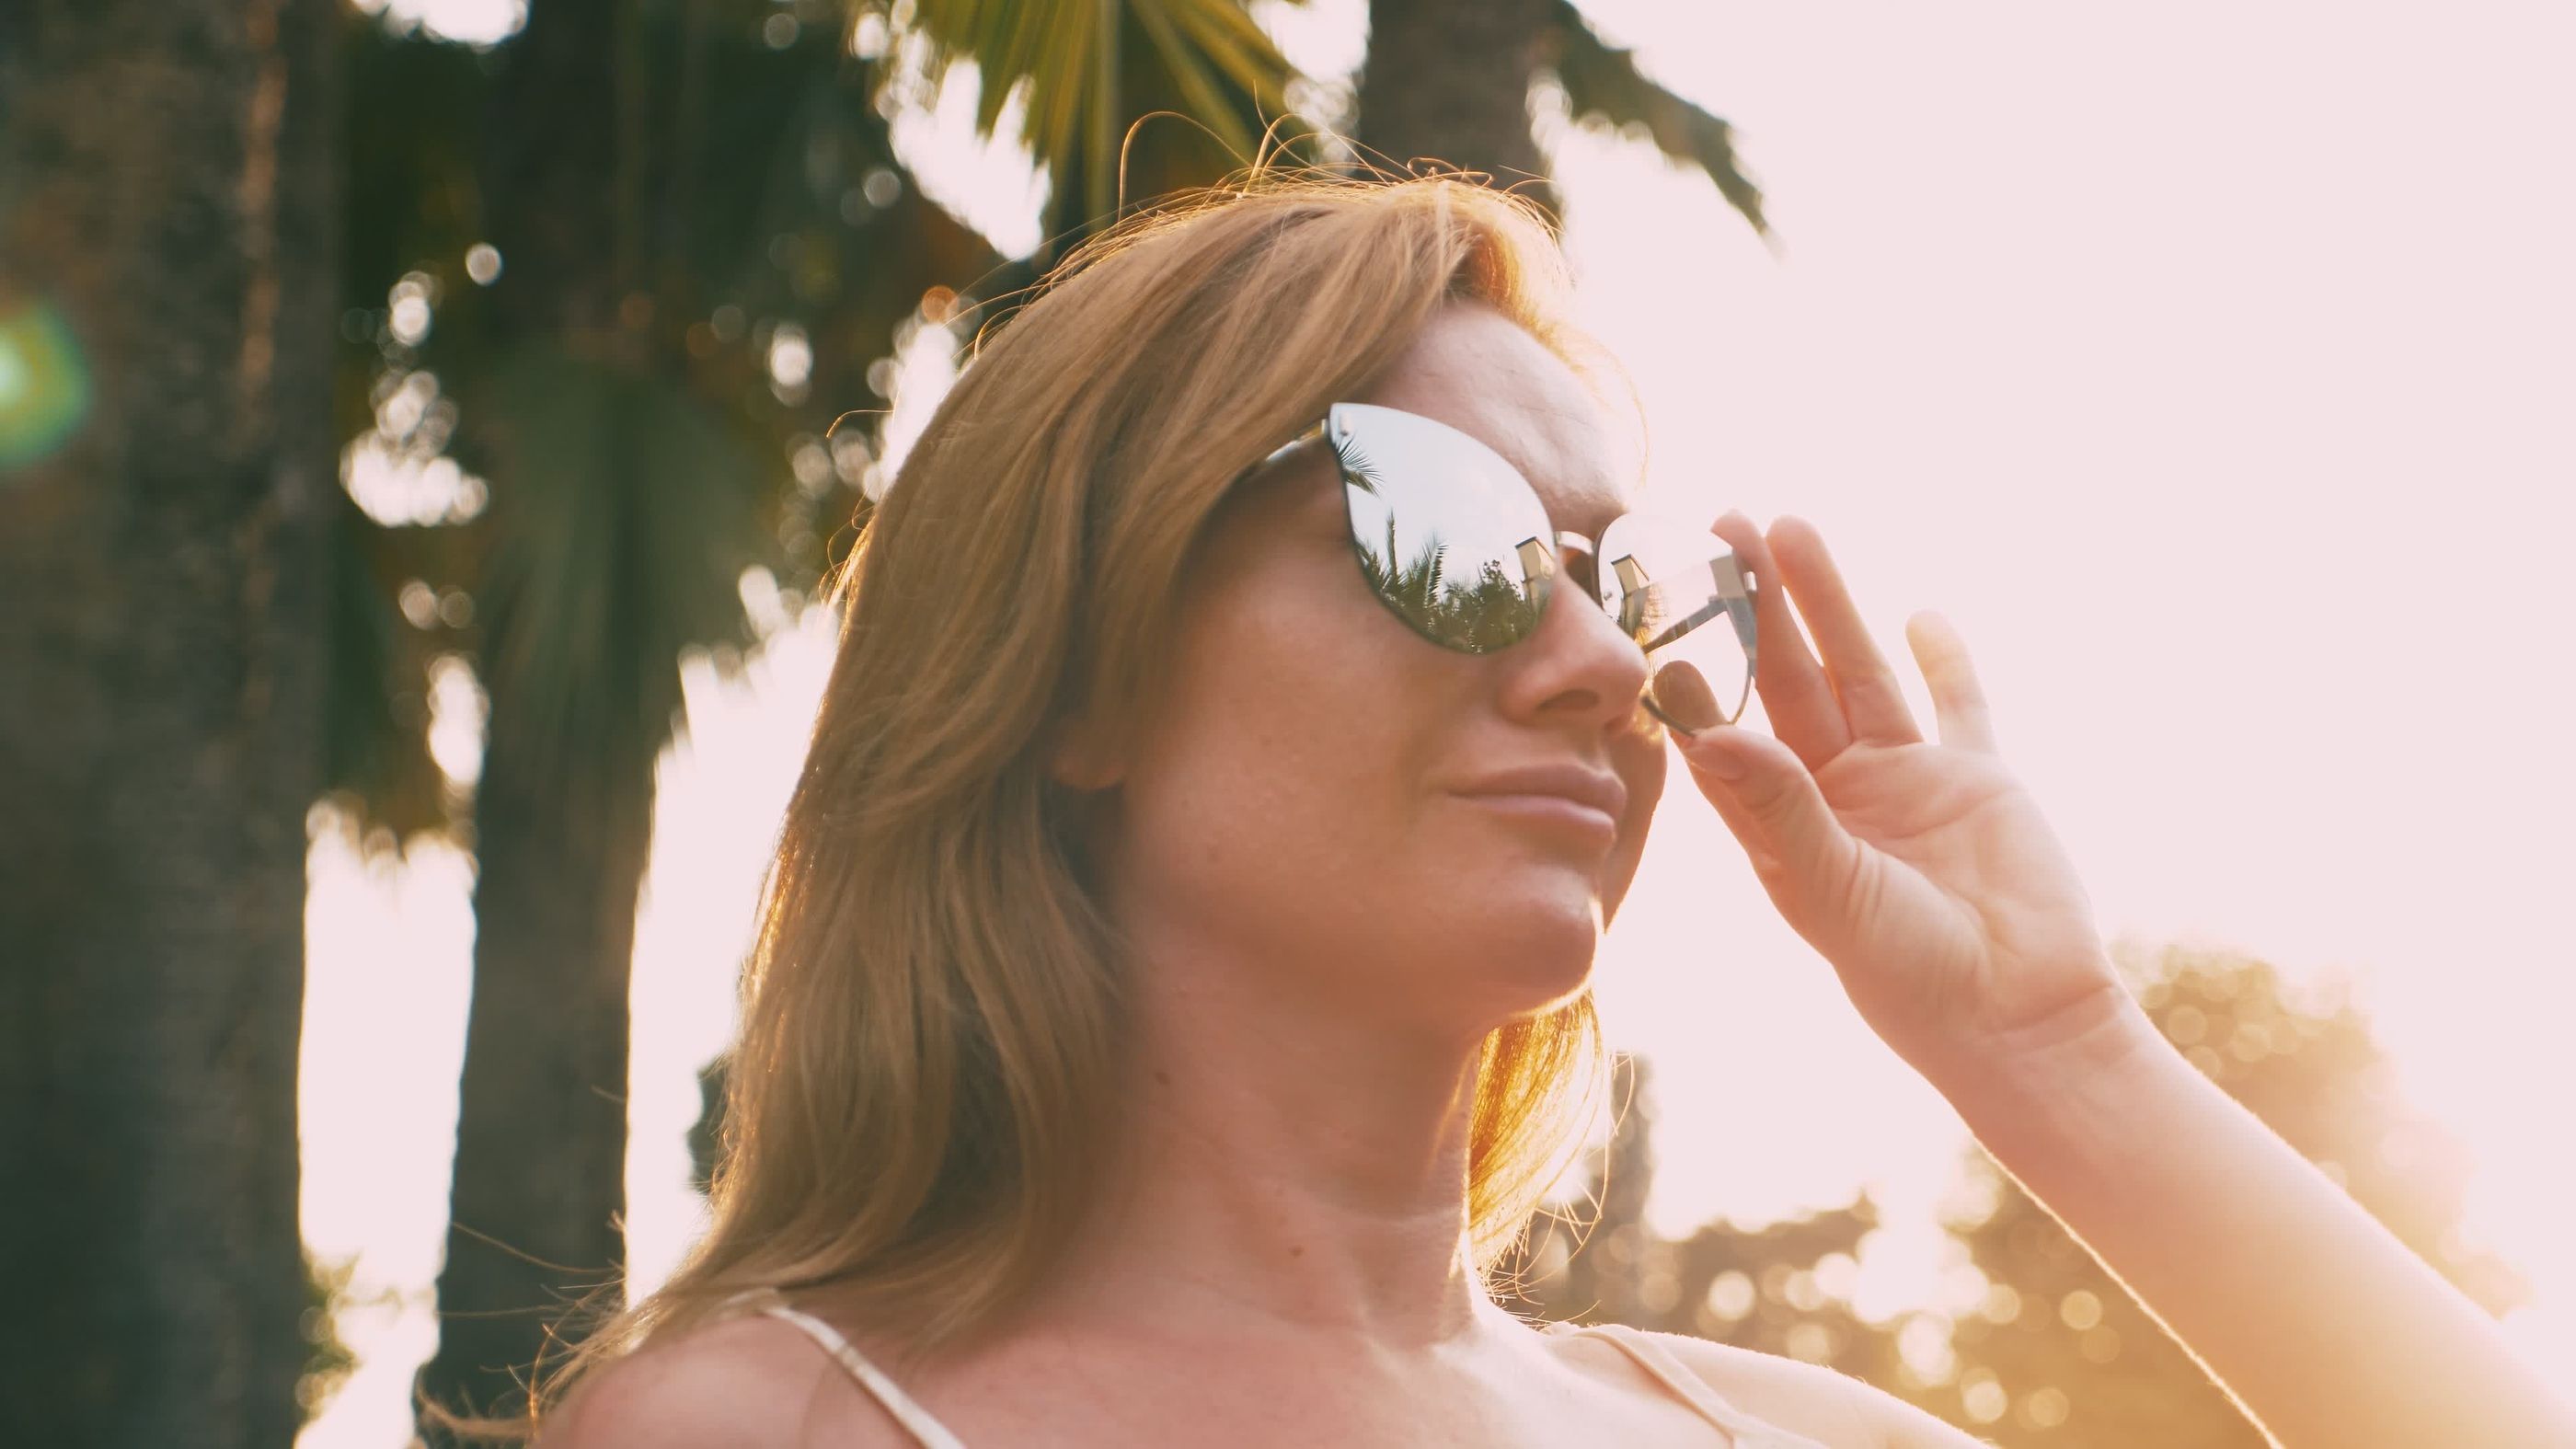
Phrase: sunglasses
x=1457 y=543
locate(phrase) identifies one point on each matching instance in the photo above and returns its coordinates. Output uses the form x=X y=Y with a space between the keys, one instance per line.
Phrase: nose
x=1579 y=666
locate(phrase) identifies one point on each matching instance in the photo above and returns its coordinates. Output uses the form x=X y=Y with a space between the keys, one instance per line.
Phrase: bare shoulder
x=1824 y=1404
x=750 y=1382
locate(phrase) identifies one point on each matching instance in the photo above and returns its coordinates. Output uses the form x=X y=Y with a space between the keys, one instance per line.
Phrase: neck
x=1284 y=1159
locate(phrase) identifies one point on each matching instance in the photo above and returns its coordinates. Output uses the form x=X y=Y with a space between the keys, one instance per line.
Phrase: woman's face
x=1304 y=799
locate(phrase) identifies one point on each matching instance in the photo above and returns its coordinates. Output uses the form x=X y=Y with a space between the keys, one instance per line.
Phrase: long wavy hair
x=922 y=1092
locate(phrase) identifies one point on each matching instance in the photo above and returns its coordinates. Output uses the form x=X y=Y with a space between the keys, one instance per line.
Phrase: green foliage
x=1603 y=87
x=375 y=735
x=635 y=474
x=706 y=1134
x=327 y=1361
x=633 y=516
x=2055 y=1319
x=2056 y=1352
x=1094 y=66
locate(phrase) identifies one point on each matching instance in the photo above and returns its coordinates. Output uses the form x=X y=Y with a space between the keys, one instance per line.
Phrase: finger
x=1873 y=705
x=1795 y=695
x=1800 y=851
x=1958 y=700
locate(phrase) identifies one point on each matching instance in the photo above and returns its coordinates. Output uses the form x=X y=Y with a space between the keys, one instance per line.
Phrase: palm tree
x=617 y=285
x=1451 y=79
x=166 y=476
x=1448 y=80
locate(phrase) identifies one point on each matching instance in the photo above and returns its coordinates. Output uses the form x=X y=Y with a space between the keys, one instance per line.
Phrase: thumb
x=1799 y=849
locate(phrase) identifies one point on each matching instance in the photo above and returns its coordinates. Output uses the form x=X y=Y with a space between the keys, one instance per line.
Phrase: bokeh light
x=44 y=383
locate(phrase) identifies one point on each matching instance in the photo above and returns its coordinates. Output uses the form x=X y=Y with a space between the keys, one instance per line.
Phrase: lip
x=1567 y=793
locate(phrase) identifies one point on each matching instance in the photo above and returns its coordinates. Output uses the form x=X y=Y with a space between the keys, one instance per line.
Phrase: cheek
x=1292 y=741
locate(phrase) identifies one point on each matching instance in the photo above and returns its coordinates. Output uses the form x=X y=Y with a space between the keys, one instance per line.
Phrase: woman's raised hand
x=1923 y=872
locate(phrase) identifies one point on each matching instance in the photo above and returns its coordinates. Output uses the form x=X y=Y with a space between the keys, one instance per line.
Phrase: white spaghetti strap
x=911 y=1415
x=1743 y=1430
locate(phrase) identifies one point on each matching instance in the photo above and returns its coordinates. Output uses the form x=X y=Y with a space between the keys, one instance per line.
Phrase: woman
x=1172 y=991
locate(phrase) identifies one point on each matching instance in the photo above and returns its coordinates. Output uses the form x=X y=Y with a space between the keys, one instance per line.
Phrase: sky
x=2206 y=365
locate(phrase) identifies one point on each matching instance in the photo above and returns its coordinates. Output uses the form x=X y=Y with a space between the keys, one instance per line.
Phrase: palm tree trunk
x=539 y=1189
x=561 y=827
x=1450 y=80
x=167 y=183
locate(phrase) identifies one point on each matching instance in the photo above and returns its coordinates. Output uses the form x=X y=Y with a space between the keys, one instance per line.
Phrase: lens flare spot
x=44 y=385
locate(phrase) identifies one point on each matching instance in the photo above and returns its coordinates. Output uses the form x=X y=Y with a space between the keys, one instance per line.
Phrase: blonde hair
x=924 y=1082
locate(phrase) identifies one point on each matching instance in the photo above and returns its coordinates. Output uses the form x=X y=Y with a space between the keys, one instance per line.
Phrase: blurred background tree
x=168 y=174
x=1453 y=80
x=596 y=344
x=2038 y=1345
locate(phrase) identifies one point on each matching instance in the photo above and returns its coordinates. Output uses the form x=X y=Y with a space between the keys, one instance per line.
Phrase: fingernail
x=1708 y=753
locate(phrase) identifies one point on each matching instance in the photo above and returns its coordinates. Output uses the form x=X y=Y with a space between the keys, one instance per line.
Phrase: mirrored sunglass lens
x=1680 y=594
x=1447 y=534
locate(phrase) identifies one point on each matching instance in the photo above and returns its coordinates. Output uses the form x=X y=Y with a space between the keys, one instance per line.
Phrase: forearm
x=2326 y=1327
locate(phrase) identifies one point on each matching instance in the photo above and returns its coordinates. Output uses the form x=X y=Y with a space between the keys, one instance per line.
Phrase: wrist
x=2052 y=1064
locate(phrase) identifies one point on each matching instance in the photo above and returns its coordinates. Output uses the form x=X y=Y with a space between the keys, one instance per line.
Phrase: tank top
x=1742 y=1430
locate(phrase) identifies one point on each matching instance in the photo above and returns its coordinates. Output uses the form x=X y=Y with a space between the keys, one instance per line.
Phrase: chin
x=1535 y=954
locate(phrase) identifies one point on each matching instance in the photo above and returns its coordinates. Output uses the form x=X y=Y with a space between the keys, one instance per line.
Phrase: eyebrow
x=1594 y=510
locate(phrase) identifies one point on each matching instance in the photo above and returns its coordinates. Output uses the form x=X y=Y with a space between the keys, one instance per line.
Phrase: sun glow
x=2089 y=329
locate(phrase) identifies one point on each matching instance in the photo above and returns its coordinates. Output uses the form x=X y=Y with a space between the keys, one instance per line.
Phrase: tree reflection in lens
x=1479 y=617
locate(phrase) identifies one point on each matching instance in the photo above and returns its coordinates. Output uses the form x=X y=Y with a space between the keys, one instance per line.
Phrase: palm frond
x=1092 y=67
x=375 y=735
x=1604 y=87
x=634 y=513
